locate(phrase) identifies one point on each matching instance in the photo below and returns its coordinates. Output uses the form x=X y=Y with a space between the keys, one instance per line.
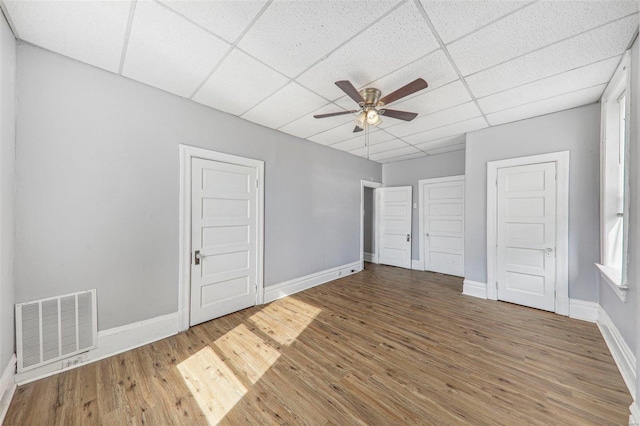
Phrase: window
x=614 y=180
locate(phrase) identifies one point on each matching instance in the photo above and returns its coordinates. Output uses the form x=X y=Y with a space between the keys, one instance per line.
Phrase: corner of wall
x=7 y=387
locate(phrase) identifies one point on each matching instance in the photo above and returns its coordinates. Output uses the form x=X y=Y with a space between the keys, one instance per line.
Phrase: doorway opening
x=368 y=223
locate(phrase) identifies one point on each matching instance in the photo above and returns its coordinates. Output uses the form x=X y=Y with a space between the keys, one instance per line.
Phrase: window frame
x=618 y=86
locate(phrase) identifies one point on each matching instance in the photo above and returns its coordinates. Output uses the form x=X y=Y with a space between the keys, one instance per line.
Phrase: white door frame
x=421 y=212
x=184 y=252
x=562 y=220
x=368 y=184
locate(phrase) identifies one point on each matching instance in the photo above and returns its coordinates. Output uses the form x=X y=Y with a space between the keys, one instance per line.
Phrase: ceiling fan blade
x=415 y=86
x=357 y=129
x=333 y=114
x=350 y=90
x=400 y=115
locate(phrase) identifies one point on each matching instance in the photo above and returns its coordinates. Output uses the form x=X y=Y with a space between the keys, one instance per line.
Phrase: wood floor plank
x=385 y=346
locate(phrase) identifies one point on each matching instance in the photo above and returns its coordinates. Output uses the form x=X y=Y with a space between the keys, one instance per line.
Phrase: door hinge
x=257 y=183
x=496 y=181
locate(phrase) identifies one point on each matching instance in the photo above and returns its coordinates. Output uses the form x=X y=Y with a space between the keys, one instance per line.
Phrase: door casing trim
x=184 y=217
x=561 y=159
x=368 y=184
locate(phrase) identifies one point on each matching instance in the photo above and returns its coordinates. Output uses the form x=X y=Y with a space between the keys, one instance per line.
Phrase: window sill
x=613 y=277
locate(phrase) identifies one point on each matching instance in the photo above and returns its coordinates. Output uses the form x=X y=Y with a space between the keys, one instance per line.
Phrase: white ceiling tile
x=531 y=28
x=239 y=83
x=307 y=125
x=431 y=101
x=288 y=104
x=168 y=52
x=396 y=40
x=547 y=106
x=441 y=143
x=226 y=18
x=359 y=141
x=394 y=153
x=602 y=43
x=292 y=35
x=382 y=147
x=570 y=81
x=445 y=149
x=435 y=120
x=447 y=131
x=402 y=158
x=334 y=135
x=91 y=32
x=453 y=19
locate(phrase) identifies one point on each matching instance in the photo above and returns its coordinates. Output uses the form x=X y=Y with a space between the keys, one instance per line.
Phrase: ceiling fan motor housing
x=370 y=96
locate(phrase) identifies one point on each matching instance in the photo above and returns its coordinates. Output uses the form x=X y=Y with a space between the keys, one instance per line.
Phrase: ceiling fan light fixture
x=373 y=118
x=360 y=119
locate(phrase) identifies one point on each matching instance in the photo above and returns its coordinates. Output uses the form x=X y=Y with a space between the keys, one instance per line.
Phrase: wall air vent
x=51 y=329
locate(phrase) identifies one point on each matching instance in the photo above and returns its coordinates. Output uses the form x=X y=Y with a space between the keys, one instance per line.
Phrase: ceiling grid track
x=448 y=55
x=552 y=44
x=234 y=45
x=127 y=34
x=294 y=79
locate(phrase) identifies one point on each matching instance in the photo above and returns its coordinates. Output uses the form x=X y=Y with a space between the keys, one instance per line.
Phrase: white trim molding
x=417 y=265
x=421 y=212
x=373 y=256
x=7 y=387
x=562 y=219
x=622 y=354
x=184 y=251
x=474 y=288
x=634 y=417
x=368 y=257
x=110 y=342
x=583 y=310
x=287 y=288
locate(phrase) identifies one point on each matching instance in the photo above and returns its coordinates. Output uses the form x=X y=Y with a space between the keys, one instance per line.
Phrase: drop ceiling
x=274 y=62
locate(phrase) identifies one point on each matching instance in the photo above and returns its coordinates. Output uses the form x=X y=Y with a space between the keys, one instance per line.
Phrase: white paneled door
x=526 y=237
x=394 y=226
x=224 y=268
x=443 y=225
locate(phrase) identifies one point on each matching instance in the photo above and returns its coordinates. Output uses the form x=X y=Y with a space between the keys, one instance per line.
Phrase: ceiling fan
x=371 y=104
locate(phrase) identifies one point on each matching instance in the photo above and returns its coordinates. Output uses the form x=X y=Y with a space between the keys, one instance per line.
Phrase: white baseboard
x=583 y=310
x=7 y=387
x=634 y=417
x=368 y=257
x=474 y=288
x=110 y=342
x=622 y=355
x=275 y=292
x=417 y=265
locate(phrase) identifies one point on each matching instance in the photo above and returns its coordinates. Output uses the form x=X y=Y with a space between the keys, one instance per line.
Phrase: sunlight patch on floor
x=219 y=383
x=212 y=383
x=247 y=354
x=284 y=319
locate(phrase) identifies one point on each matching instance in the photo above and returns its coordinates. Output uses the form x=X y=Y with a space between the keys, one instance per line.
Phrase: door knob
x=198 y=256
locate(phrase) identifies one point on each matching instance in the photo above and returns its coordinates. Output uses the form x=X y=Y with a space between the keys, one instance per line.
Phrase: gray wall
x=97 y=189
x=368 y=225
x=409 y=172
x=7 y=172
x=576 y=130
x=623 y=314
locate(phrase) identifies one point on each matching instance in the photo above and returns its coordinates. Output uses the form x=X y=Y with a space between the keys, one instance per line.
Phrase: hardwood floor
x=385 y=346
